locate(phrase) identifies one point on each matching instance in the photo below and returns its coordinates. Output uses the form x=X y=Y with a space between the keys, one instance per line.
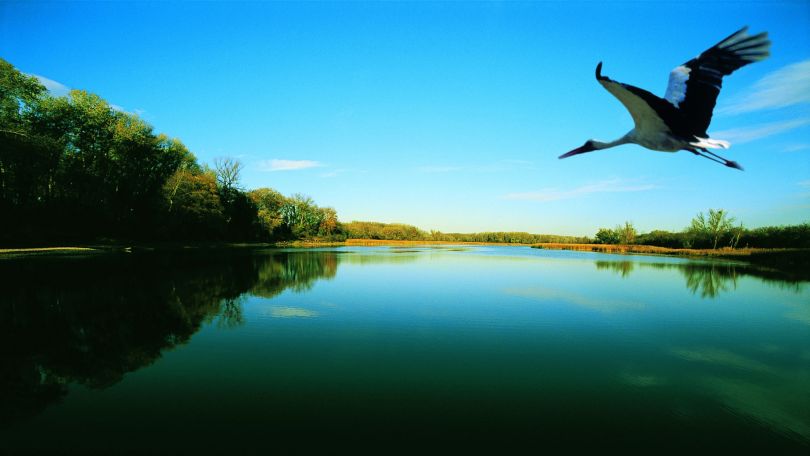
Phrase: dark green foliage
x=74 y=169
x=192 y=209
x=59 y=325
x=662 y=238
x=777 y=236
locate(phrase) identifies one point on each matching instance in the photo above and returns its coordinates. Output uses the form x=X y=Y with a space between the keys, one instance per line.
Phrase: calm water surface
x=398 y=347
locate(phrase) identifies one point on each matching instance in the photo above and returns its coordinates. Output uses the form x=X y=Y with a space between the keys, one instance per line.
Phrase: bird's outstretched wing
x=647 y=110
x=693 y=87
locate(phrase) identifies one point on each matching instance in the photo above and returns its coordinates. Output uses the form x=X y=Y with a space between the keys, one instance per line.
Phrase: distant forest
x=74 y=169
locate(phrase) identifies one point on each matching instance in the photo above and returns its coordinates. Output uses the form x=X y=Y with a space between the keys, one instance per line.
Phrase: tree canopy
x=74 y=168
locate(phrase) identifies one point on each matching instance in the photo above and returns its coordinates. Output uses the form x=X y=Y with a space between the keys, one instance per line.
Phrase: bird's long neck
x=599 y=145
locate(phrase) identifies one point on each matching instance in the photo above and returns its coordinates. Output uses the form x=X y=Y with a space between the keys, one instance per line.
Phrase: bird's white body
x=680 y=119
x=650 y=139
x=661 y=141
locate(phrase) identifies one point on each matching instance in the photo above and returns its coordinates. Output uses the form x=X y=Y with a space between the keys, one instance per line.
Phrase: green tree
x=329 y=221
x=269 y=218
x=736 y=233
x=302 y=216
x=102 y=172
x=607 y=236
x=711 y=228
x=627 y=233
x=194 y=210
x=26 y=157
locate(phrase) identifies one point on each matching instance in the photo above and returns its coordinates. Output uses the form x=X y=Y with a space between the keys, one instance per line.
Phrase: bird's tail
x=706 y=143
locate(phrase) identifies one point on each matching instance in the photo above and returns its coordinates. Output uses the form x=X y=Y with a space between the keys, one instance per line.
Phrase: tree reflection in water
x=707 y=278
x=92 y=320
x=624 y=268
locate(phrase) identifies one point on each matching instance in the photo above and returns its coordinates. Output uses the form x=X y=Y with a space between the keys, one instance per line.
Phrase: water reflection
x=92 y=320
x=708 y=279
x=623 y=268
x=752 y=385
x=494 y=342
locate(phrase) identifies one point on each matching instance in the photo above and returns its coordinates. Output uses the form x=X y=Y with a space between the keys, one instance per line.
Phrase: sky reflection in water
x=480 y=344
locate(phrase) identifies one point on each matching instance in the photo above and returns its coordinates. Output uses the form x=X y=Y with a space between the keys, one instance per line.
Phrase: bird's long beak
x=577 y=151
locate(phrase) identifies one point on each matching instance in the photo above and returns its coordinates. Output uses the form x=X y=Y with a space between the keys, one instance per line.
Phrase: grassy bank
x=653 y=250
x=10 y=253
x=794 y=263
x=384 y=243
x=740 y=254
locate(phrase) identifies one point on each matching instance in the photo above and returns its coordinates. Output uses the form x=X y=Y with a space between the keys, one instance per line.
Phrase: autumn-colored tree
x=329 y=221
x=270 y=220
x=194 y=210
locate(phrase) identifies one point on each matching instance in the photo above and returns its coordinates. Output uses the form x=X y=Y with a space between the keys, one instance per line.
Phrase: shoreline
x=793 y=260
x=622 y=249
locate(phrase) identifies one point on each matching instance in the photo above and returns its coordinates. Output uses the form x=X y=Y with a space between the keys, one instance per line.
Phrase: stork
x=679 y=120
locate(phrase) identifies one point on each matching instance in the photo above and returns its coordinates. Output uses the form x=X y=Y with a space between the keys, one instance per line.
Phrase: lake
x=388 y=348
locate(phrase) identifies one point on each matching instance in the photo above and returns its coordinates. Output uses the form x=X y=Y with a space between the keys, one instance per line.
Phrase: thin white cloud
x=439 y=169
x=288 y=165
x=339 y=171
x=797 y=147
x=606 y=186
x=787 y=86
x=119 y=108
x=57 y=89
x=804 y=183
x=752 y=133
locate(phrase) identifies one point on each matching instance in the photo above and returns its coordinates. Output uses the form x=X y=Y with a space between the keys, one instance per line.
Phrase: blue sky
x=445 y=115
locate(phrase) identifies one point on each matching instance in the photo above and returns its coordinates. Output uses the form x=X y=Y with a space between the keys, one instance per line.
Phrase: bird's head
x=589 y=146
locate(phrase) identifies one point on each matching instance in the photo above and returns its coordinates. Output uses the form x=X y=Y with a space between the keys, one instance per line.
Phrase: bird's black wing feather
x=694 y=86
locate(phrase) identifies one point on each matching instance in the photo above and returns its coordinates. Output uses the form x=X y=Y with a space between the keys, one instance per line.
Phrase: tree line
x=715 y=229
x=403 y=232
x=73 y=168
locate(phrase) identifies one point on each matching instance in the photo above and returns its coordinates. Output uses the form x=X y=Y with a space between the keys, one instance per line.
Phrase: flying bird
x=679 y=120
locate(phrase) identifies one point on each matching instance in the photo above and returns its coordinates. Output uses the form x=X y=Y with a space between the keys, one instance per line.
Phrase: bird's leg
x=729 y=163
x=716 y=158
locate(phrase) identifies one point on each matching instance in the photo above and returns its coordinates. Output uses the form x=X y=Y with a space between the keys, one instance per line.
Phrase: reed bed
x=383 y=242
x=725 y=252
